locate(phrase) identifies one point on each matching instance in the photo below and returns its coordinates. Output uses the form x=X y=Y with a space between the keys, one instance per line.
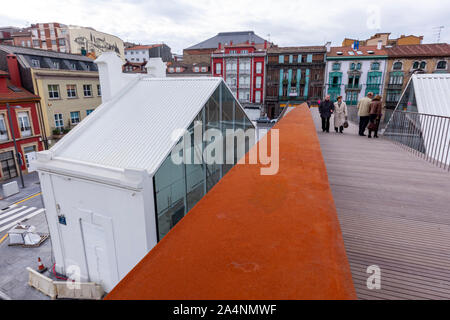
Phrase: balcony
x=394 y=86
x=353 y=87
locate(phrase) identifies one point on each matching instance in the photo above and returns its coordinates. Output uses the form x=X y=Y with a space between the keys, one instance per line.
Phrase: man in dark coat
x=326 y=108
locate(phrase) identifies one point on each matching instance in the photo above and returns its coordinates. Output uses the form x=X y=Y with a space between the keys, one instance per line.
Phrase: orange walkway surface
x=253 y=236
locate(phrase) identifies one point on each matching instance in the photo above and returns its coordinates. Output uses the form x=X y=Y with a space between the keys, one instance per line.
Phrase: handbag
x=345 y=125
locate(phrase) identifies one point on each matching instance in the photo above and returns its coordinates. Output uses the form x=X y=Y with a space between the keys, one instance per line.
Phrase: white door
x=94 y=239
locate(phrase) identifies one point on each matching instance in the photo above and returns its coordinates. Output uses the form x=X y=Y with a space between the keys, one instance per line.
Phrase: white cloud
x=182 y=23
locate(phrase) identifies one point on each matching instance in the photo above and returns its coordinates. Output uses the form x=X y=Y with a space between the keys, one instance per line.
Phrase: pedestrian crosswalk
x=15 y=214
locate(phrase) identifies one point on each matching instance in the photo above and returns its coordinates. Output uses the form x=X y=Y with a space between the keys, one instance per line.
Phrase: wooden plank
x=393 y=207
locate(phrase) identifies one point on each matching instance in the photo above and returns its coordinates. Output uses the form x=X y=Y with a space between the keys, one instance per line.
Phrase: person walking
x=326 y=109
x=364 y=113
x=340 y=115
x=375 y=112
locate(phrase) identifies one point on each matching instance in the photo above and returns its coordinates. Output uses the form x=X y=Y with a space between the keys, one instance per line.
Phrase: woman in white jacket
x=340 y=115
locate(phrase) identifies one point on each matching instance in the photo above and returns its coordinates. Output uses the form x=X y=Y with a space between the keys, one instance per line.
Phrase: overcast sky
x=182 y=23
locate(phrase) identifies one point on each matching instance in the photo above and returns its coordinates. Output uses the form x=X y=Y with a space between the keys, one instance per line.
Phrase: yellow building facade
x=67 y=97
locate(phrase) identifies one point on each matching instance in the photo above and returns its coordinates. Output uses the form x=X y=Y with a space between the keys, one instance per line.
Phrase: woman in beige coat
x=340 y=114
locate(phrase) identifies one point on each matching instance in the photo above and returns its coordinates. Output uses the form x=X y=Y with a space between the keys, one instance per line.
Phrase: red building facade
x=24 y=123
x=243 y=68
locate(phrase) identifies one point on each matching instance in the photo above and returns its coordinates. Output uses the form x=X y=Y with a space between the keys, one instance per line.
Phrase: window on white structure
x=196 y=69
x=24 y=124
x=204 y=69
x=442 y=65
x=218 y=68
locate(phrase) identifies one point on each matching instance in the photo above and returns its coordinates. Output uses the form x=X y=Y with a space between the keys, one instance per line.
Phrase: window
x=71 y=91
x=396 y=79
x=196 y=69
x=73 y=66
x=53 y=91
x=423 y=65
x=218 y=68
x=52 y=32
x=53 y=42
x=35 y=63
x=171 y=70
x=3 y=130
x=27 y=151
x=442 y=65
x=36 y=43
x=376 y=66
x=352 y=66
x=416 y=65
x=280 y=58
x=99 y=90
x=59 y=123
x=358 y=66
x=258 y=82
x=397 y=65
x=393 y=96
x=233 y=51
x=28 y=43
x=203 y=69
x=74 y=117
x=336 y=66
x=178 y=69
x=87 y=90
x=258 y=67
x=24 y=124
x=309 y=58
x=244 y=51
x=62 y=42
x=258 y=97
x=55 y=64
x=89 y=111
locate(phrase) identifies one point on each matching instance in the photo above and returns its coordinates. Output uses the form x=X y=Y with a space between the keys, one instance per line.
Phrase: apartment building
x=67 y=84
x=294 y=75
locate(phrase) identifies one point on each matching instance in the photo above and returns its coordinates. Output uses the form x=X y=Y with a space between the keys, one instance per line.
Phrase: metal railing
x=425 y=135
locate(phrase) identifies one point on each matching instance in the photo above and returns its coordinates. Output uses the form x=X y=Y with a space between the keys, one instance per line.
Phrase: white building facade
x=353 y=73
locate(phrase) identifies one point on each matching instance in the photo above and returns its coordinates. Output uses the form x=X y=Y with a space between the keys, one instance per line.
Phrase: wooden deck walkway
x=394 y=210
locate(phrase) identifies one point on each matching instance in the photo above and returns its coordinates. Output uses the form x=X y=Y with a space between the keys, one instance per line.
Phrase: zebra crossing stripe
x=4 y=215
x=21 y=219
x=3 y=221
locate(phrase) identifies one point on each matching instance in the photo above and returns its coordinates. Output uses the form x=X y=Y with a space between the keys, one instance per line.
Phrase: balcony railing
x=426 y=135
x=353 y=87
x=394 y=86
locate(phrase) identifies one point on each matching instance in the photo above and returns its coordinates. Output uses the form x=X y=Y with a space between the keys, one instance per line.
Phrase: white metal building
x=110 y=187
x=427 y=96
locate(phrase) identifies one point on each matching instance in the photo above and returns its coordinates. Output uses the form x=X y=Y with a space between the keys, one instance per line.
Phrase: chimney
x=3 y=84
x=231 y=42
x=13 y=68
x=328 y=46
x=380 y=44
x=265 y=44
x=220 y=45
x=247 y=42
x=156 y=68
x=112 y=80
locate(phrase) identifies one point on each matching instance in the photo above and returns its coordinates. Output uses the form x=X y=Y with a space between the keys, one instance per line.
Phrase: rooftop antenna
x=438 y=32
x=268 y=37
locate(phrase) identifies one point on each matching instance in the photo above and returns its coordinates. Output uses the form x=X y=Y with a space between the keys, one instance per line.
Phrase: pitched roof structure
x=296 y=49
x=13 y=93
x=143 y=47
x=226 y=38
x=420 y=50
x=134 y=130
x=43 y=53
x=348 y=52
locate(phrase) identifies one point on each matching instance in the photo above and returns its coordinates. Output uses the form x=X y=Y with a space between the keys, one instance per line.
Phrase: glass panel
x=227 y=122
x=170 y=193
x=212 y=113
x=195 y=176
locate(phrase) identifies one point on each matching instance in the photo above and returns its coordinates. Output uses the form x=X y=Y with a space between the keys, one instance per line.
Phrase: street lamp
x=18 y=156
